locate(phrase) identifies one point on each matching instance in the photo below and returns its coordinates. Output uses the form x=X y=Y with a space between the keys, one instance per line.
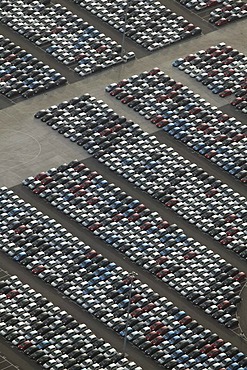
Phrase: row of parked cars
x=156 y=326
x=186 y=116
x=222 y=69
x=125 y=148
x=226 y=10
x=148 y=240
x=21 y=74
x=151 y=24
x=51 y=336
x=64 y=35
x=231 y=10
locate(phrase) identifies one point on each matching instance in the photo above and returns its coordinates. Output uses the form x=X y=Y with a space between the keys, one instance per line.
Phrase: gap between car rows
x=113 y=255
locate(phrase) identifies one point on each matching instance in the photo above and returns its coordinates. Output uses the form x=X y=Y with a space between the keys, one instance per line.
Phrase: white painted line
x=6 y=367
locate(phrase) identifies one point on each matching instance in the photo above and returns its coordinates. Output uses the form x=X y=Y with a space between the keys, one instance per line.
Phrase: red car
x=195 y=110
x=92 y=200
x=207 y=348
x=228 y=60
x=238 y=137
x=116 y=128
x=161 y=260
x=127 y=99
x=213 y=73
x=116 y=91
x=13 y=293
x=241 y=276
x=203 y=126
x=25 y=345
x=163 y=225
x=163 y=330
x=161 y=98
x=150 y=336
x=75 y=189
x=136 y=298
x=57 y=29
x=157 y=118
x=101 y=48
x=38 y=269
x=10 y=57
x=122 y=83
x=185 y=320
x=190 y=255
x=229 y=72
x=92 y=175
x=157 y=325
x=140 y=208
x=159 y=339
x=134 y=217
x=137 y=312
x=40 y=176
x=224 y=304
x=223 y=117
x=225 y=93
x=94 y=226
x=154 y=71
x=162 y=123
x=214 y=352
x=6 y=77
x=146 y=225
x=177 y=86
x=189 y=57
x=244 y=179
x=221 y=22
x=171 y=202
x=148 y=307
x=218 y=343
x=210 y=193
x=81 y=193
x=221 y=137
x=129 y=279
x=80 y=167
x=210 y=154
x=46 y=180
x=86 y=184
x=226 y=7
x=80 y=56
x=107 y=131
x=91 y=254
x=211 y=49
x=232 y=231
x=226 y=240
x=172 y=94
x=39 y=189
x=231 y=217
x=20 y=229
x=163 y=273
x=209 y=130
x=189 y=27
x=117 y=217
